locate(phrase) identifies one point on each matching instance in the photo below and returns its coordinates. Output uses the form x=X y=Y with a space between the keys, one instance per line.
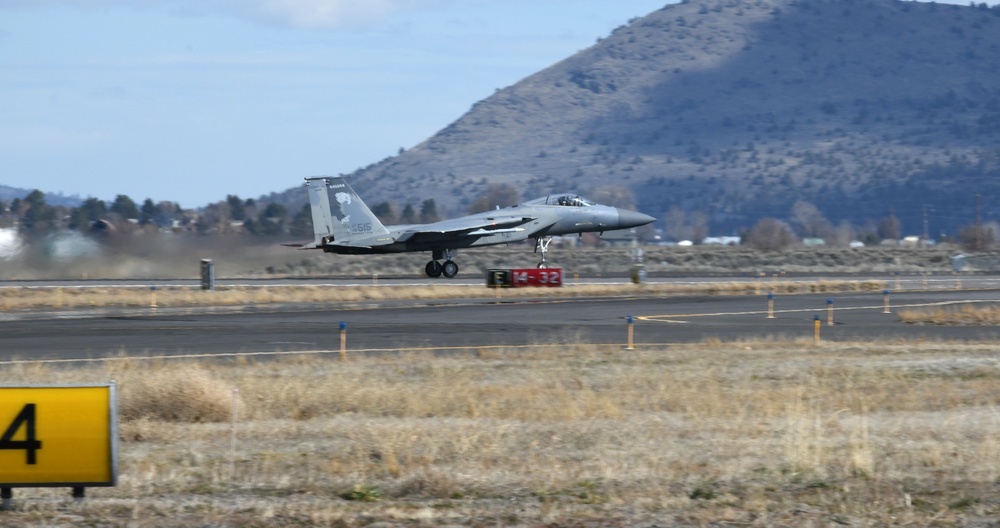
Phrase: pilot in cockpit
x=573 y=201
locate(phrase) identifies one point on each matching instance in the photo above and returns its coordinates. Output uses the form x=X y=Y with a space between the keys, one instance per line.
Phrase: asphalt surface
x=462 y=324
x=894 y=281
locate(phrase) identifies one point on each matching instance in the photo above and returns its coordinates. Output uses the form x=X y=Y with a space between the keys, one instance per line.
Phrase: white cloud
x=322 y=14
x=310 y=14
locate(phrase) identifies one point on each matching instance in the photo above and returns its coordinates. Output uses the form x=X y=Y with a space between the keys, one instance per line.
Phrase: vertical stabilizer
x=319 y=203
x=343 y=218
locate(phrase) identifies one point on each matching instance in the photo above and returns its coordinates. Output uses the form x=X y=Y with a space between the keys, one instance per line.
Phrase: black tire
x=449 y=269
x=433 y=269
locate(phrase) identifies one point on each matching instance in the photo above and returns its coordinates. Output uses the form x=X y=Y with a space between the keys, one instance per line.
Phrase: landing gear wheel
x=433 y=269
x=542 y=244
x=449 y=269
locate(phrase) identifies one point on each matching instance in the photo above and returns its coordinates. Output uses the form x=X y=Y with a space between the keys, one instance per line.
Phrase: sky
x=193 y=100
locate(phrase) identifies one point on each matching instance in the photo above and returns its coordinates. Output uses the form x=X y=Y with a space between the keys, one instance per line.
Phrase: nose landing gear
x=542 y=244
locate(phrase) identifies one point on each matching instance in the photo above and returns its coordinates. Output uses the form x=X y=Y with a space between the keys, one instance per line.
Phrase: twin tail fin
x=339 y=215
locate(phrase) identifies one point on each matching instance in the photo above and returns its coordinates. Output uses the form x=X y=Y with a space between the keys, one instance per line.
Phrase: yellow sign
x=56 y=435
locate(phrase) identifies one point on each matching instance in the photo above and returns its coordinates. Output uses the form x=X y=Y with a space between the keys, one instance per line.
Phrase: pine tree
x=147 y=214
x=124 y=207
x=428 y=211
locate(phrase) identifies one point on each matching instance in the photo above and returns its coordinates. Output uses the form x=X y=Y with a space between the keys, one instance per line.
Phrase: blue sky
x=188 y=100
x=191 y=100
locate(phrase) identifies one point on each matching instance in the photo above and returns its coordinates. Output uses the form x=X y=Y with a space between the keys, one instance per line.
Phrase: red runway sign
x=524 y=278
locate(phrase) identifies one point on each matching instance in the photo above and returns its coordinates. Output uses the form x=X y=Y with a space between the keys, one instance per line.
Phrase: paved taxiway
x=482 y=323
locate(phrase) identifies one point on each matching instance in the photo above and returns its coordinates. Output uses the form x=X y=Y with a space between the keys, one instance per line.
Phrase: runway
x=467 y=324
x=892 y=281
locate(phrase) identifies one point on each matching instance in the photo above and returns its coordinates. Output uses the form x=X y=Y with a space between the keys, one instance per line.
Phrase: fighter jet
x=345 y=225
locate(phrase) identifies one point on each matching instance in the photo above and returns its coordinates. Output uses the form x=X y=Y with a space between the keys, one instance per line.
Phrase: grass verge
x=71 y=298
x=966 y=314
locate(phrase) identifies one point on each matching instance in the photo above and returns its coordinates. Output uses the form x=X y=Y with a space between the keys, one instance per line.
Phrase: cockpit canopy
x=568 y=200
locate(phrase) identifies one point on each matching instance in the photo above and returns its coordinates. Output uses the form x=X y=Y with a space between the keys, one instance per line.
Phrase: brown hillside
x=740 y=108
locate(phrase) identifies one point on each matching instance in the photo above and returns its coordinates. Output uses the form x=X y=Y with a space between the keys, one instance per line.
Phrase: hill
x=738 y=109
x=8 y=193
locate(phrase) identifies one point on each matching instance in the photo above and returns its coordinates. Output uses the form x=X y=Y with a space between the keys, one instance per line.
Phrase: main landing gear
x=435 y=269
x=542 y=244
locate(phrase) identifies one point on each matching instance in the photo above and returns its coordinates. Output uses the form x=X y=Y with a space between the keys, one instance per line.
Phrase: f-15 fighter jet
x=342 y=223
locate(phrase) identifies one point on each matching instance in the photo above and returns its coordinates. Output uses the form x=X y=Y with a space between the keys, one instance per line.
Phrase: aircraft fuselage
x=543 y=221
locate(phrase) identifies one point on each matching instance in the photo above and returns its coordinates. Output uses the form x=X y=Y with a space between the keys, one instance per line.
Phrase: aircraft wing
x=468 y=226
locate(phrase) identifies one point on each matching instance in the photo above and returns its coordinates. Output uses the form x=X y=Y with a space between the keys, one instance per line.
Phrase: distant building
x=721 y=241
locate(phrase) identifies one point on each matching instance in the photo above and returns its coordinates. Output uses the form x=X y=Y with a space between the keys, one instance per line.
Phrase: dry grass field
x=73 y=298
x=558 y=434
x=967 y=314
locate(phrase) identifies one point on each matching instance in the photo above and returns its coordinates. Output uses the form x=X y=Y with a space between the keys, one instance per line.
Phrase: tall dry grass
x=74 y=298
x=965 y=314
x=749 y=433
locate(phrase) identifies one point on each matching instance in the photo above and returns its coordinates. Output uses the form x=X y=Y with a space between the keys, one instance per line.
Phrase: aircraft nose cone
x=627 y=219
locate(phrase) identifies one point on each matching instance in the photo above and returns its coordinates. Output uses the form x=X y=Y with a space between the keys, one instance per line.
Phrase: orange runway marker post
x=885 y=297
x=829 y=311
x=770 y=306
x=343 y=340
x=816 y=329
x=631 y=333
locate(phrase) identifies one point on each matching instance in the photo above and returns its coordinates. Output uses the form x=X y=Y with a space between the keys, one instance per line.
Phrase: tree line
x=34 y=217
x=805 y=222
